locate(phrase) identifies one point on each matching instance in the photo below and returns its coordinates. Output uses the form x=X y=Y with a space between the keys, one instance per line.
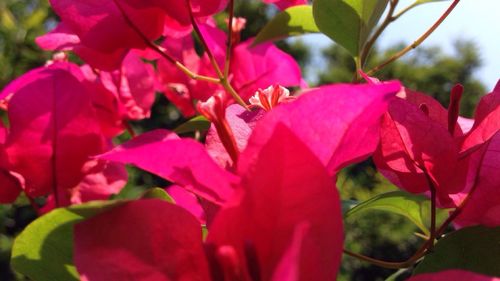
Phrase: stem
x=204 y=42
x=384 y=264
x=394 y=265
x=129 y=128
x=230 y=39
x=369 y=44
x=161 y=52
x=195 y=76
x=432 y=187
x=359 y=66
x=403 y=11
x=33 y=204
x=417 y=42
x=225 y=83
x=222 y=78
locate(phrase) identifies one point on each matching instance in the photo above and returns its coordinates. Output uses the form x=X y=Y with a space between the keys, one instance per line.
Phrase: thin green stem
x=403 y=11
x=223 y=79
x=419 y=41
x=369 y=44
x=384 y=264
x=227 y=86
x=197 y=30
x=162 y=52
x=433 y=233
x=394 y=265
x=195 y=76
x=357 y=62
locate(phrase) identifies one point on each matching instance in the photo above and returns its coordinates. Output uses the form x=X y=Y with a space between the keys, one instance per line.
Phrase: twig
x=369 y=44
x=161 y=52
x=223 y=79
x=230 y=39
x=417 y=42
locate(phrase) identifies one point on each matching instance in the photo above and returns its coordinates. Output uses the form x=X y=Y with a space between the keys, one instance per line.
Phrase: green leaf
x=475 y=249
x=35 y=19
x=348 y=205
x=158 y=193
x=348 y=22
x=293 y=21
x=414 y=207
x=396 y=275
x=7 y=20
x=198 y=123
x=44 y=250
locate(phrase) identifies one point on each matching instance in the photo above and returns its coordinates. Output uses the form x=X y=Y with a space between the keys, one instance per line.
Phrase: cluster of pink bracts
x=263 y=183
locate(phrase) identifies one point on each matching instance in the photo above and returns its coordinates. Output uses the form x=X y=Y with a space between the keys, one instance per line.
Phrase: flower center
x=269 y=98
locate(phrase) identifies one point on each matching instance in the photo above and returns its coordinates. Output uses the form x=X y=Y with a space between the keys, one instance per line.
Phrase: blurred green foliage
x=427 y=69
x=21 y=21
x=379 y=235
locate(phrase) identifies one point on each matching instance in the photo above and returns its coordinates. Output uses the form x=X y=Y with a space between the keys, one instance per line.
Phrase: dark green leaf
x=198 y=123
x=414 y=207
x=293 y=21
x=348 y=22
x=44 y=250
x=475 y=249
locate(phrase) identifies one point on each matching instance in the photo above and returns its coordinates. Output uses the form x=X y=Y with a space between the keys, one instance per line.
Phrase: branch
x=417 y=42
x=223 y=79
x=369 y=44
x=161 y=52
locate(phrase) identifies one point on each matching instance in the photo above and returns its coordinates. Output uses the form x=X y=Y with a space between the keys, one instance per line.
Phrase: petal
x=345 y=131
x=165 y=243
x=284 y=4
x=134 y=84
x=10 y=186
x=437 y=112
x=188 y=201
x=262 y=66
x=53 y=131
x=287 y=187
x=101 y=26
x=183 y=161
x=242 y=123
x=410 y=143
x=486 y=120
x=483 y=206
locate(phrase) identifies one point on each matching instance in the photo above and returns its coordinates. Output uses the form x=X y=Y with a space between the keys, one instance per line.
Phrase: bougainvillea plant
x=253 y=194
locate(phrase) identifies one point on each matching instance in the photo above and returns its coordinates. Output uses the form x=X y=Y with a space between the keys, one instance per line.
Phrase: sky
x=477 y=20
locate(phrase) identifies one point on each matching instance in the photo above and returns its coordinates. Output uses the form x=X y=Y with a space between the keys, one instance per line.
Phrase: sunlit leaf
x=44 y=250
x=198 y=123
x=293 y=21
x=7 y=19
x=475 y=249
x=158 y=193
x=414 y=207
x=35 y=19
x=348 y=22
